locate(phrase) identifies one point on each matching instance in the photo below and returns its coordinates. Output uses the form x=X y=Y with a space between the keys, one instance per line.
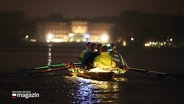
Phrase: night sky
x=90 y=8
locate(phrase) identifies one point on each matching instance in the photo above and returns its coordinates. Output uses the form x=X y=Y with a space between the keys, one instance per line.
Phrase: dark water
x=60 y=88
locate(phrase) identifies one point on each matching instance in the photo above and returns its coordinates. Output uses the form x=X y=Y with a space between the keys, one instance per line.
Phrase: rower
x=88 y=58
x=117 y=58
x=85 y=50
x=104 y=60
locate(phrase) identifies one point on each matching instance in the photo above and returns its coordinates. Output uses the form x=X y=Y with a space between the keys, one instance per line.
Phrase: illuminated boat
x=80 y=71
x=104 y=76
x=96 y=73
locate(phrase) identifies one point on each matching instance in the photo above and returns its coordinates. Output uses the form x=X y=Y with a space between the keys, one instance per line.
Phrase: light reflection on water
x=49 y=54
x=93 y=91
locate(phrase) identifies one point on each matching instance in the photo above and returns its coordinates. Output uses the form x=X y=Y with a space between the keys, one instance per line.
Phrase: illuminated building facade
x=58 y=31
x=74 y=31
x=78 y=31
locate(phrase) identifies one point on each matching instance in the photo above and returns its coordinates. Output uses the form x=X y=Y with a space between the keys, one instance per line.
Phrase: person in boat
x=104 y=60
x=99 y=49
x=87 y=49
x=117 y=58
x=88 y=58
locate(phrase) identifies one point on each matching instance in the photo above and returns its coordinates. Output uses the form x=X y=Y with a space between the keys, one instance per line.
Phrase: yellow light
x=71 y=35
x=65 y=37
x=71 y=40
x=78 y=40
x=57 y=40
x=98 y=70
x=124 y=43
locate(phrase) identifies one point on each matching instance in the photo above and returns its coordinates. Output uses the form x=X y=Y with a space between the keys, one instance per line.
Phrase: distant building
x=78 y=31
x=73 y=31
x=58 y=31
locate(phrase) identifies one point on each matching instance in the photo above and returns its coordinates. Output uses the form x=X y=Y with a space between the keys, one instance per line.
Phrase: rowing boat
x=80 y=71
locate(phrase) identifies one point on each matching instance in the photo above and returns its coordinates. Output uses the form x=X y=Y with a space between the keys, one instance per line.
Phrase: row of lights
x=50 y=38
x=152 y=44
x=158 y=44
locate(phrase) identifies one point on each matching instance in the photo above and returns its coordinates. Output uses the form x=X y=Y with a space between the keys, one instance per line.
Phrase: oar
x=50 y=66
x=42 y=69
x=151 y=72
x=49 y=70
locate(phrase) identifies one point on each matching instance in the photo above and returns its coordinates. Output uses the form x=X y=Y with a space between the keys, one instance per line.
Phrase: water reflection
x=92 y=91
x=49 y=54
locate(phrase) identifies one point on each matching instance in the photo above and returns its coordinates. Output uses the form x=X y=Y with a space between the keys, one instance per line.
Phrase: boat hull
x=105 y=76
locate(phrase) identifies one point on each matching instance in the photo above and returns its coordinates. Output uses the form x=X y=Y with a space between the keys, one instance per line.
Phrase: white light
x=49 y=37
x=27 y=36
x=146 y=44
x=153 y=43
x=86 y=35
x=132 y=39
x=171 y=39
x=150 y=43
x=105 y=38
x=161 y=43
x=33 y=40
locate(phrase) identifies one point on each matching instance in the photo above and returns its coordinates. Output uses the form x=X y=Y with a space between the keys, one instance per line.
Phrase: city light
x=50 y=37
x=27 y=37
x=86 y=35
x=33 y=40
x=146 y=44
x=105 y=38
x=78 y=40
x=71 y=34
x=124 y=43
x=159 y=44
x=132 y=39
